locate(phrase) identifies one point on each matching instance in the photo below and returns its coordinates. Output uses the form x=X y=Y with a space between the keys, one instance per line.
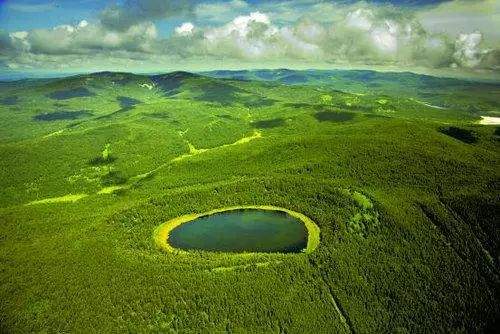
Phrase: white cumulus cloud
x=467 y=51
x=185 y=29
x=249 y=34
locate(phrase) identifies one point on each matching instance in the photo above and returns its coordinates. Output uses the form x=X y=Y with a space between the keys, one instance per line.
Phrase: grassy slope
x=424 y=258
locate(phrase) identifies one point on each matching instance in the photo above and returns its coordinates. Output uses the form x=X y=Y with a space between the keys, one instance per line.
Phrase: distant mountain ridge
x=283 y=75
x=432 y=89
x=317 y=77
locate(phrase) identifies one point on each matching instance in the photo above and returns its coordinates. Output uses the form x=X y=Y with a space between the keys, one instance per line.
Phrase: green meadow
x=395 y=169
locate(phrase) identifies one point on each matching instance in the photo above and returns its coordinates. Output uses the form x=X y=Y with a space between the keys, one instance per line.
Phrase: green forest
x=396 y=170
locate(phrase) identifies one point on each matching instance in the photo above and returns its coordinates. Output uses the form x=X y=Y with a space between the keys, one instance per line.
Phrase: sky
x=68 y=36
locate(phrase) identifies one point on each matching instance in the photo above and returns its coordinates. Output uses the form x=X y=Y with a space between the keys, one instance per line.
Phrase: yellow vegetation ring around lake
x=162 y=232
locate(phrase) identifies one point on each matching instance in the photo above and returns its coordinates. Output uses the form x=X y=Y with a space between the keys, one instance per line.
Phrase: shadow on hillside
x=332 y=116
x=70 y=93
x=62 y=115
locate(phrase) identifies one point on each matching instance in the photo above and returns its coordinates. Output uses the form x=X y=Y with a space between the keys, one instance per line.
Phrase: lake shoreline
x=162 y=232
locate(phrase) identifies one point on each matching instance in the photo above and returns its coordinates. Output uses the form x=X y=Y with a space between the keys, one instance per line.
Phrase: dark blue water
x=249 y=230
